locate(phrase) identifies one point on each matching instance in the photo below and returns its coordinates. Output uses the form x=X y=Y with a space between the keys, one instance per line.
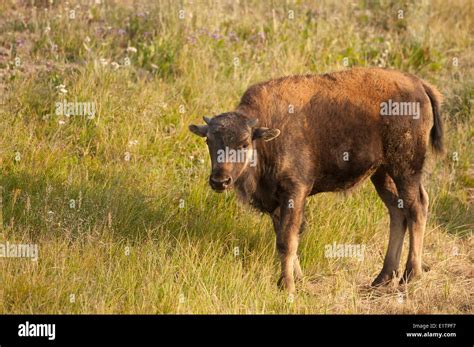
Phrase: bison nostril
x=215 y=180
x=224 y=181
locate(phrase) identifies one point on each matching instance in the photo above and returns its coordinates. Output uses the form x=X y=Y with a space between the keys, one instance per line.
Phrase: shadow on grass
x=44 y=206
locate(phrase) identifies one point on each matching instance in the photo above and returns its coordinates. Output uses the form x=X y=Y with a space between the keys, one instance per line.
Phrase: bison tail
x=437 y=131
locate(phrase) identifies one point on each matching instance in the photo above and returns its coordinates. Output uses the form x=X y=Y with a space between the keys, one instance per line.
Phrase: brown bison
x=304 y=135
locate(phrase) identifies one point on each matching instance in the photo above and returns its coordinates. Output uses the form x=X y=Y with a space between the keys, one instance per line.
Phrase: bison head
x=231 y=138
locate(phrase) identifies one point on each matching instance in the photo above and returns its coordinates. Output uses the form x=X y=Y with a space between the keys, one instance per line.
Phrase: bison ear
x=199 y=130
x=265 y=133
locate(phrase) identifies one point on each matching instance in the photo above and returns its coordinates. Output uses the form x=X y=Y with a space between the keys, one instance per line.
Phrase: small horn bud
x=252 y=122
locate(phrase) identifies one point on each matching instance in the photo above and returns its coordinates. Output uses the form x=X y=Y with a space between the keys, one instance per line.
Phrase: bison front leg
x=298 y=273
x=291 y=213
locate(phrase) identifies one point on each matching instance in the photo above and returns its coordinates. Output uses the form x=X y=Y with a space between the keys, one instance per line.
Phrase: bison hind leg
x=387 y=191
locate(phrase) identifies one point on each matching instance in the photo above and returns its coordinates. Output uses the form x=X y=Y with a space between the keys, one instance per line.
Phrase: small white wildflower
x=133 y=143
x=62 y=89
x=87 y=39
x=132 y=49
x=103 y=61
x=61 y=122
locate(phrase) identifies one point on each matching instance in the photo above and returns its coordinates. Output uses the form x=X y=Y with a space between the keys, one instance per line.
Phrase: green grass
x=147 y=235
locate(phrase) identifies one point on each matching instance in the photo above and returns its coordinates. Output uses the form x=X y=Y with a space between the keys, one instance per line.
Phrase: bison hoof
x=281 y=282
x=383 y=279
x=409 y=275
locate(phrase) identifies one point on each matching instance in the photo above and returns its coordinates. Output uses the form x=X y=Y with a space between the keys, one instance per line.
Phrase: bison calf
x=296 y=136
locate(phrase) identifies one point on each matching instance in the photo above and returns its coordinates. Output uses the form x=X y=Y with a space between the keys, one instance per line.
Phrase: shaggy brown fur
x=326 y=133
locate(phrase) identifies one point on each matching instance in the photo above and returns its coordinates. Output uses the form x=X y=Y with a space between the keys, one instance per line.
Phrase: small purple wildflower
x=233 y=37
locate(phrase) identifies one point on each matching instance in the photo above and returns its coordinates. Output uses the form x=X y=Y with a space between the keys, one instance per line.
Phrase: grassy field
x=118 y=203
